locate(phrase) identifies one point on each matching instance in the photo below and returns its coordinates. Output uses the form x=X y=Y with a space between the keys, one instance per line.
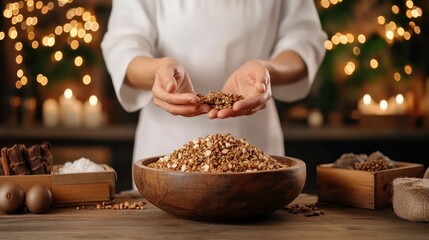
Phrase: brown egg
x=12 y=198
x=38 y=199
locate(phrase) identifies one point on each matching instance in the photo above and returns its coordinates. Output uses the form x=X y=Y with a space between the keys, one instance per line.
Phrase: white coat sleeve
x=300 y=30
x=130 y=33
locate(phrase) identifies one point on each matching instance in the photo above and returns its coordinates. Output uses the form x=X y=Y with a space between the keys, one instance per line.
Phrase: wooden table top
x=339 y=222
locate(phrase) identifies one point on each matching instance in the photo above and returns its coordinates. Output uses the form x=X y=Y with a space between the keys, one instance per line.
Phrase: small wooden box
x=83 y=188
x=72 y=189
x=363 y=189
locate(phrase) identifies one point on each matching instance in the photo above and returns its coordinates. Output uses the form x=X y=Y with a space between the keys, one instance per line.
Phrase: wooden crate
x=83 y=188
x=72 y=189
x=363 y=189
x=27 y=181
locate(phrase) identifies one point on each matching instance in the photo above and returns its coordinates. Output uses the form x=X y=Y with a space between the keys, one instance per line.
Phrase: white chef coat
x=211 y=39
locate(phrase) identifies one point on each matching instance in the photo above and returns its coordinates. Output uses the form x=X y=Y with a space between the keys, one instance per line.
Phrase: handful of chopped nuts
x=218 y=153
x=220 y=100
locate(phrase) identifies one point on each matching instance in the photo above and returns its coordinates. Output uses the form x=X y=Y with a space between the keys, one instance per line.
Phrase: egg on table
x=38 y=199
x=12 y=198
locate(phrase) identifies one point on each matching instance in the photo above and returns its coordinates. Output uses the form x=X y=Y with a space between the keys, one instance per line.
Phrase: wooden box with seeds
x=362 y=181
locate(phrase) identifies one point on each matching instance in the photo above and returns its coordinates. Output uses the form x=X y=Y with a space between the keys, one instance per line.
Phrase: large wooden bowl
x=220 y=196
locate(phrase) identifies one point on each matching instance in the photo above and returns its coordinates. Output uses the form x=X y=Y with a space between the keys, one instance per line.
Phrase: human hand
x=252 y=80
x=173 y=91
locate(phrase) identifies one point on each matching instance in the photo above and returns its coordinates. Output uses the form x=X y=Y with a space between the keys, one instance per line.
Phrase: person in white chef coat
x=160 y=53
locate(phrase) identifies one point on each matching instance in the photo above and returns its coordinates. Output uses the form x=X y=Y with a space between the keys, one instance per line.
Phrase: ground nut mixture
x=220 y=100
x=218 y=153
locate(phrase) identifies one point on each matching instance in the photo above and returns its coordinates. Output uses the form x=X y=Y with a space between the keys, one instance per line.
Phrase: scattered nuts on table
x=118 y=206
x=220 y=100
x=218 y=153
x=308 y=210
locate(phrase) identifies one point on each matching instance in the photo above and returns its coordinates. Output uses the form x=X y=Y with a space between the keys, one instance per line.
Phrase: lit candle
x=70 y=109
x=93 y=116
x=384 y=107
x=366 y=105
x=401 y=105
x=50 y=113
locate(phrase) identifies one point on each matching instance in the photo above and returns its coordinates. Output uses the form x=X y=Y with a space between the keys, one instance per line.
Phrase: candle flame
x=68 y=93
x=93 y=100
x=383 y=105
x=367 y=99
x=399 y=99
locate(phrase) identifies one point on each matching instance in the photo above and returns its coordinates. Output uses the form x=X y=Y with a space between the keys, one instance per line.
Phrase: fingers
x=187 y=110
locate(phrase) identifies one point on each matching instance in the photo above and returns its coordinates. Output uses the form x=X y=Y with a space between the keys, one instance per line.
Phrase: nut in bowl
x=220 y=196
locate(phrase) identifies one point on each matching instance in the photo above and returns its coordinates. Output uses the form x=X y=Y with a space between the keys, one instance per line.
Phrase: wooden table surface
x=339 y=222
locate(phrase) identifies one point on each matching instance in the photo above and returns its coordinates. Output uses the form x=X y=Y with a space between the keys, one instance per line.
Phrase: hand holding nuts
x=220 y=100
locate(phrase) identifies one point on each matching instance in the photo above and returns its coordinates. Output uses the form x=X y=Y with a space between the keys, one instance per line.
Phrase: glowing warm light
x=35 y=44
x=44 y=81
x=86 y=79
x=373 y=63
x=381 y=20
x=356 y=51
x=407 y=35
x=397 y=76
x=409 y=4
x=18 y=46
x=93 y=100
x=343 y=39
x=87 y=38
x=24 y=80
x=417 y=29
x=335 y=40
x=349 y=68
x=13 y=33
x=74 y=44
x=78 y=61
x=395 y=9
x=58 y=30
x=383 y=105
x=2 y=35
x=325 y=3
x=367 y=99
x=399 y=99
x=68 y=93
x=408 y=69
x=361 y=38
x=401 y=31
x=39 y=78
x=390 y=35
x=18 y=84
x=58 y=55
x=18 y=59
x=19 y=73
x=328 y=45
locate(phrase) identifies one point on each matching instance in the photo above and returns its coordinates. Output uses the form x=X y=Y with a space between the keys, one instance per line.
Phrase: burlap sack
x=411 y=199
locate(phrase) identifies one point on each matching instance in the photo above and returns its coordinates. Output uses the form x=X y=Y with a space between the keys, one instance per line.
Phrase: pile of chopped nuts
x=118 y=206
x=218 y=153
x=220 y=100
x=308 y=210
x=376 y=161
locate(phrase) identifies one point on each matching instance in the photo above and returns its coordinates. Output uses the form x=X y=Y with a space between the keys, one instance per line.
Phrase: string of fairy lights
x=391 y=32
x=24 y=19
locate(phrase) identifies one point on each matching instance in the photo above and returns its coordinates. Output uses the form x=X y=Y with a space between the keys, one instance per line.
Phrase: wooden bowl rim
x=142 y=164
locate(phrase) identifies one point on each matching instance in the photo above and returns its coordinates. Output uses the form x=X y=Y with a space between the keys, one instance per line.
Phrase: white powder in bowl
x=79 y=166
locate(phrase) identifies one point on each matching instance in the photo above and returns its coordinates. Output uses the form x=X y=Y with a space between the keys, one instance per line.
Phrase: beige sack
x=411 y=199
x=426 y=173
